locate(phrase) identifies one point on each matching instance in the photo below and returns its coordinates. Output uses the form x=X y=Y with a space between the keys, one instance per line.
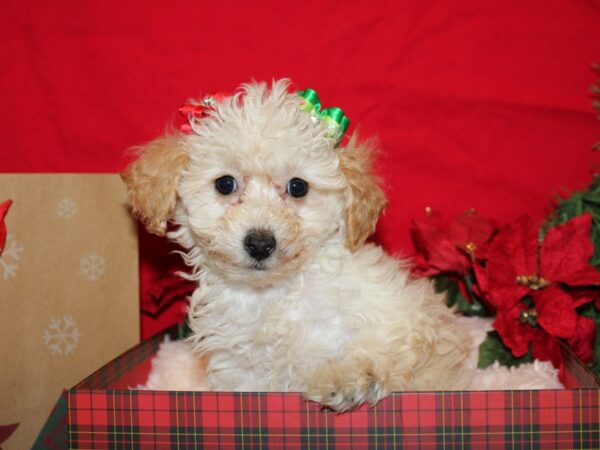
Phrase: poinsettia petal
x=566 y=252
x=6 y=431
x=582 y=342
x=447 y=258
x=583 y=296
x=514 y=334
x=3 y=210
x=482 y=277
x=430 y=238
x=420 y=264
x=423 y=232
x=470 y=228
x=587 y=276
x=503 y=291
x=511 y=252
x=516 y=245
x=556 y=311
x=546 y=348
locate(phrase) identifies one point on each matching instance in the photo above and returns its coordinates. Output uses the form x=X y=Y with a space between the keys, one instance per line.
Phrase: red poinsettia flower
x=516 y=332
x=582 y=342
x=3 y=210
x=443 y=247
x=552 y=314
x=517 y=266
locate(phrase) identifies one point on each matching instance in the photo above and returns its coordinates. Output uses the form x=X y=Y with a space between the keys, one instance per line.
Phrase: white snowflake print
x=66 y=208
x=93 y=266
x=9 y=261
x=61 y=336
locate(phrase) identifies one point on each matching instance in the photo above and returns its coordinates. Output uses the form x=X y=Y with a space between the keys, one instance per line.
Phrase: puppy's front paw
x=343 y=385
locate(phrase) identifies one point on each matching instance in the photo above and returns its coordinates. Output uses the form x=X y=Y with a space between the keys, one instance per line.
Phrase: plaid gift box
x=103 y=412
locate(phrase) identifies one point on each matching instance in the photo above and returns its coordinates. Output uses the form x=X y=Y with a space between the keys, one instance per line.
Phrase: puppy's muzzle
x=260 y=244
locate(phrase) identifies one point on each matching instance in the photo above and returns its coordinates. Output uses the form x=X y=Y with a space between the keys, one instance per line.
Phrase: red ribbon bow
x=195 y=111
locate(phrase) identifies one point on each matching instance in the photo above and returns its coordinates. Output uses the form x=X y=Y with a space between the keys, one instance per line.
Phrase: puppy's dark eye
x=297 y=187
x=226 y=185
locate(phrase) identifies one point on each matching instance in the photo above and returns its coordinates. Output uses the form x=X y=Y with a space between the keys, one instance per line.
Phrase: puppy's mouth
x=259 y=266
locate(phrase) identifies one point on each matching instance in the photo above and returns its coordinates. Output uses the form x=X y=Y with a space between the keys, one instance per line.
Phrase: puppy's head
x=257 y=189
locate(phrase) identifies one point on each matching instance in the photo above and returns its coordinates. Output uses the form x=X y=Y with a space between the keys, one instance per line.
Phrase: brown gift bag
x=68 y=290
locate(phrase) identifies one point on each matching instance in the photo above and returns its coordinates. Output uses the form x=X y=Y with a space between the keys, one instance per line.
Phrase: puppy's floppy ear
x=364 y=198
x=152 y=181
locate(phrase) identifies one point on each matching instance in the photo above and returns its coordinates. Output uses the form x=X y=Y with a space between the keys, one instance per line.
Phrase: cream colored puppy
x=274 y=218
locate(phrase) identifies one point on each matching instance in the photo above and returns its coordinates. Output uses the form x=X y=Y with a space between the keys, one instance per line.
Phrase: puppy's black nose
x=260 y=244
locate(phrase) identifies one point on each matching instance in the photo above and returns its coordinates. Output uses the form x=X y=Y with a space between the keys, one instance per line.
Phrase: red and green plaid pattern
x=104 y=413
x=417 y=420
x=53 y=435
x=118 y=372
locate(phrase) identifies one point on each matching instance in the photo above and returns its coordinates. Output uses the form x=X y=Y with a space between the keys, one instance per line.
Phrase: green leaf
x=577 y=204
x=455 y=298
x=493 y=349
x=445 y=285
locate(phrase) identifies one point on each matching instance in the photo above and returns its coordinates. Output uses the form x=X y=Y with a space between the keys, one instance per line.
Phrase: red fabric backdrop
x=476 y=104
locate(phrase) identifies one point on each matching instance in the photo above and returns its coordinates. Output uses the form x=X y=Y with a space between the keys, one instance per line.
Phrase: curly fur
x=364 y=199
x=176 y=366
x=327 y=314
x=152 y=182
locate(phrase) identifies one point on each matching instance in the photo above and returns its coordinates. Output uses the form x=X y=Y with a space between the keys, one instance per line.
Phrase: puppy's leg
x=427 y=357
x=372 y=368
x=343 y=384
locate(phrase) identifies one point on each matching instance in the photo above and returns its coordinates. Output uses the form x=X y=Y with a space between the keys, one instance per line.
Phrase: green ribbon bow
x=334 y=118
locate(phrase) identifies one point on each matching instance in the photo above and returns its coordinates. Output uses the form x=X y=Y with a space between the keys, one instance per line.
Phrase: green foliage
x=493 y=349
x=455 y=298
x=577 y=204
